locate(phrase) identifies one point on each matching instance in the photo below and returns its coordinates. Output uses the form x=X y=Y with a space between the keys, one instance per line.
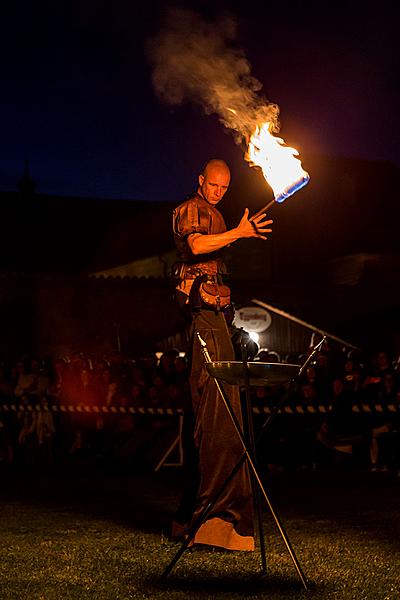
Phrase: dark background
x=78 y=102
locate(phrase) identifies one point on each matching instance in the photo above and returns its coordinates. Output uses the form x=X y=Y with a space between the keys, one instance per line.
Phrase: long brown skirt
x=230 y=523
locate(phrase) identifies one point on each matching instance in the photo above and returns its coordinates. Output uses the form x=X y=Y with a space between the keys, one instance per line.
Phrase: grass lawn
x=103 y=536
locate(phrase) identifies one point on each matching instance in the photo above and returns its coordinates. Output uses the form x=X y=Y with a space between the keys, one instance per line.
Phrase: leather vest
x=196 y=215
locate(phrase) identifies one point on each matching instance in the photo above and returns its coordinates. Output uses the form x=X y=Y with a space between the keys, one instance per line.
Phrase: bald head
x=214 y=180
x=215 y=163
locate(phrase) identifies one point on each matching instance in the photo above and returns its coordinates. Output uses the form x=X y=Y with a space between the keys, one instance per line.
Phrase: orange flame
x=282 y=171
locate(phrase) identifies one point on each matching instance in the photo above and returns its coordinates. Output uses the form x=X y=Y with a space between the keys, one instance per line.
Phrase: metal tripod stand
x=239 y=374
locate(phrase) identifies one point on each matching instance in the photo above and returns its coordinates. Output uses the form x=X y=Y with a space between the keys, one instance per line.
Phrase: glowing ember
x=282 y=171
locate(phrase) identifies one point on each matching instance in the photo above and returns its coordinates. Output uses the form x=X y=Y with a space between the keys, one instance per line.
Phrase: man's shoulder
x=192 y=216
x=192 y=200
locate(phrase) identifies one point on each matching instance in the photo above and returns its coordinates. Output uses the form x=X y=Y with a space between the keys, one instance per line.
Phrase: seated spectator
x=26 y=432
x=166 y=366
x=102 y=382
x=138 y=376
x=86 y=393
x=181 y=370
x=379 y=365
x=44 y=431
x=7 y=420
x=56 y=385
x=26 y=384
x=97 y=373
x=267 y=356
x=308 y=391
x=137 y=396
x=176 y=397
x=6 y=384
x=259 y=396
x=308 y=394
x=41 y=377
x=341 y=430
x=149 y=365
x=155 y=397
x=291 y=359
x=114 y=395
x=352 y=375
x=117 y=364
x=126 y=430
x=162 y=386
x=381 y=452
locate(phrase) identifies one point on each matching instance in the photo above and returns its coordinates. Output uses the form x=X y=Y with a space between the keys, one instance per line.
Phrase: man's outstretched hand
x=255 y=227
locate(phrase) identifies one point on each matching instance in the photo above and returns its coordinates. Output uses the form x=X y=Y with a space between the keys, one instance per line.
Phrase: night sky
x=77 y=98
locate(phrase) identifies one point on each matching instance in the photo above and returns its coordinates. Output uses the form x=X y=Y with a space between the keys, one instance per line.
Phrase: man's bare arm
x=204 y=243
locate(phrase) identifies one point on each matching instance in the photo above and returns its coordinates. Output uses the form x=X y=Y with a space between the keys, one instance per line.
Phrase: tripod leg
x=250 y=430
x=258 y=507
x=256 y=478
x=281 y=530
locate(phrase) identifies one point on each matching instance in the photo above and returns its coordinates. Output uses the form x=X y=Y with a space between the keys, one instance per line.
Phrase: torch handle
x=262 y=210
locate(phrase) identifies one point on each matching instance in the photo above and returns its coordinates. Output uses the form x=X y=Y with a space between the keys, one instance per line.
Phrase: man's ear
x=201 y=179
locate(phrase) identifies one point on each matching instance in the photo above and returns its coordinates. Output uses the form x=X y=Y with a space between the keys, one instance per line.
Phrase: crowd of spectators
x=352 y=404
x=97 y=394
x=359 y=397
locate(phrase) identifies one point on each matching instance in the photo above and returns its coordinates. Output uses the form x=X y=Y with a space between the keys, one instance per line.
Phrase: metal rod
x=250 y=430
x=282 y=313
x=262 y=210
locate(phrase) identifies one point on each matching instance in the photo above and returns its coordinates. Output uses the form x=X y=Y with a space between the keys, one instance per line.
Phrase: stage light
x=254 y=336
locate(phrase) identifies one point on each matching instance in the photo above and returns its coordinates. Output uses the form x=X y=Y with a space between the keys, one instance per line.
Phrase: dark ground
x=104 y=534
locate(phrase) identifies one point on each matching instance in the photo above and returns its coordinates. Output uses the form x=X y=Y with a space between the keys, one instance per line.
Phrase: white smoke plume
x=195 y=60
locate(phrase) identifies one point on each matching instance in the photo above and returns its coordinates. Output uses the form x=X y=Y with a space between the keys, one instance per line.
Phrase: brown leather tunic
x=196 y=215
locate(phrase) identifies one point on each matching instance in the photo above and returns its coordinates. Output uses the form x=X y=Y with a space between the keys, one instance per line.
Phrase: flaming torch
x=278 y=162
